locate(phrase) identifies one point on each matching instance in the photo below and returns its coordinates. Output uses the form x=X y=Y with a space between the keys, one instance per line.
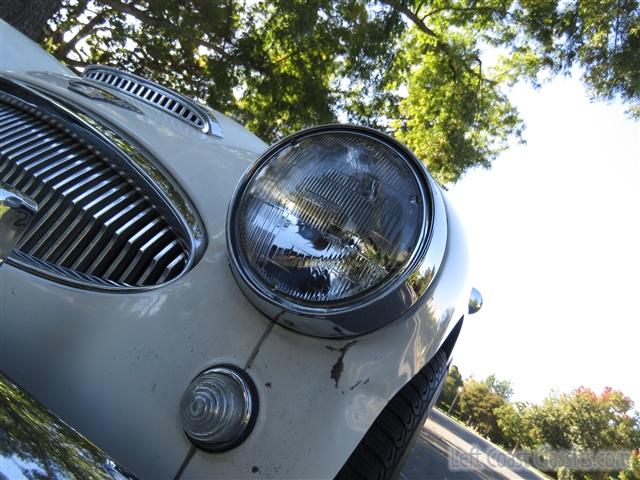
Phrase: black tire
x=382 y=451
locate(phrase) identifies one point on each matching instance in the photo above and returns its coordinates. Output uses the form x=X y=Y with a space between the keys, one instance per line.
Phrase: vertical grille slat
x=16 y=137
x=156 y=261
x=93 y=223
x=171 y=267
x=71 y=232
x=28 y=145
x=142 y=256
x=44 y=153
x=129 y=216
x=54 y=236
x=50 y=232
x=25 y=155
x=11 y=121
x=48 y=210
x=98 y=243
x=13 y=118
x=61 y=176
x=131 y=241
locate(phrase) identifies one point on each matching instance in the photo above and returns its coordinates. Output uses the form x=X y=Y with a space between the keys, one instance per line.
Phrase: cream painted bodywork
x=114 y=366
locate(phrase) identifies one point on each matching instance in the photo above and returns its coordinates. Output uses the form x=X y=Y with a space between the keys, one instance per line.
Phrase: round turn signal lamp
x=219 y=409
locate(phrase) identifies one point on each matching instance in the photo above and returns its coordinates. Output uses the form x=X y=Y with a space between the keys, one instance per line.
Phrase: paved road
x=443 y=443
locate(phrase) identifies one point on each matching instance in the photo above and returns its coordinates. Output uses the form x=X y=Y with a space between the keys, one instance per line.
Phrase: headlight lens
x=329 y=219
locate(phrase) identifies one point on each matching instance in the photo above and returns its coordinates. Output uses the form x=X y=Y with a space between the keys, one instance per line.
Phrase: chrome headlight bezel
x=377 y=307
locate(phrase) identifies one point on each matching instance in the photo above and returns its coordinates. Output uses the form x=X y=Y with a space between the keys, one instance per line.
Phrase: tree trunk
x=29 y=16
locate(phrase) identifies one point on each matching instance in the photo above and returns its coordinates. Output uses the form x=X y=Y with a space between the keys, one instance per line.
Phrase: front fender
x=319 y=397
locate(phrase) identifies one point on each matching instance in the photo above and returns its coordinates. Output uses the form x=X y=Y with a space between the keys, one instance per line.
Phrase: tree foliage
x=502 y=388
x=478 y=405
x=450 y=390
x=412 y=68
x=476 y=402
x=515 y=424
x=580 y=421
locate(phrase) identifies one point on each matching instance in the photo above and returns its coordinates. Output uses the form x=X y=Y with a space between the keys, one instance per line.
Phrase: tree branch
x=144 y=17
x=135 y=12
x=464 y=9
x=63 y=50
x=440 y=45
x=77 y=65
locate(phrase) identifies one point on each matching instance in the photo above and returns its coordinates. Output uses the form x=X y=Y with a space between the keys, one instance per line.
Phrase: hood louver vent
x=156 y=95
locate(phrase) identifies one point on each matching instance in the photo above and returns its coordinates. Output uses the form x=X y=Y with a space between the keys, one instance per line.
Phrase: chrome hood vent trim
x=160 y=97
x=102 y=222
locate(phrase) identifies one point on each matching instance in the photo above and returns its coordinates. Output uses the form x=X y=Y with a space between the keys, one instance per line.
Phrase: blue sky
x=554 y=231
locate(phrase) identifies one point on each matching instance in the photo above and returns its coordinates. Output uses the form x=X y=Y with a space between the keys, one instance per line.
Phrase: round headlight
x=328 y=222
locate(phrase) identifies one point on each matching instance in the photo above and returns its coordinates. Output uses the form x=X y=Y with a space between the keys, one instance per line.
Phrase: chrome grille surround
x=109 y=217
x=156 y=95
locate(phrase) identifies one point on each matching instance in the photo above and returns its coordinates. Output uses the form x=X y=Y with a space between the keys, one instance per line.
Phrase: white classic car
x=202 y=306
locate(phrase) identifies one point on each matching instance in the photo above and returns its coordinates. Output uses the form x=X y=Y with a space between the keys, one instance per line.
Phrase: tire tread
x=381 y=450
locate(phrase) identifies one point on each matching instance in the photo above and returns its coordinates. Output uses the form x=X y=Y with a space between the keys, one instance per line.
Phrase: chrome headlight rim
x=377 y=307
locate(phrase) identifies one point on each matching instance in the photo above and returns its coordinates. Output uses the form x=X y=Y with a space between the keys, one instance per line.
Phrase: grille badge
x=95 y=93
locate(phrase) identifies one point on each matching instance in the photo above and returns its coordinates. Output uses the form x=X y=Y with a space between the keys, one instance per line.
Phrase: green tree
x=633 y=472
x=452 y=383
x=501 y=387
x=515 y=424
x=412 y=68
x=478 y=406
x=580 y=421
x=585 y=420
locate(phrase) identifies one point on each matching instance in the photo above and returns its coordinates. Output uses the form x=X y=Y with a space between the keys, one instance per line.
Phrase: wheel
x=382 y=451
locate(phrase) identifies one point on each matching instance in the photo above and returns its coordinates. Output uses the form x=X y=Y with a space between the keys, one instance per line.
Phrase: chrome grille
x=150 y=92
x=94 y=224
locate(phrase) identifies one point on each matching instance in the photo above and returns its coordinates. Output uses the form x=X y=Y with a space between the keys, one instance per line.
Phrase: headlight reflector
x=329 y=218
x=327 y=221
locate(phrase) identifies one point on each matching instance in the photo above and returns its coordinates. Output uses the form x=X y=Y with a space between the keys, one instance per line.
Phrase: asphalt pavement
x=446 y=450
